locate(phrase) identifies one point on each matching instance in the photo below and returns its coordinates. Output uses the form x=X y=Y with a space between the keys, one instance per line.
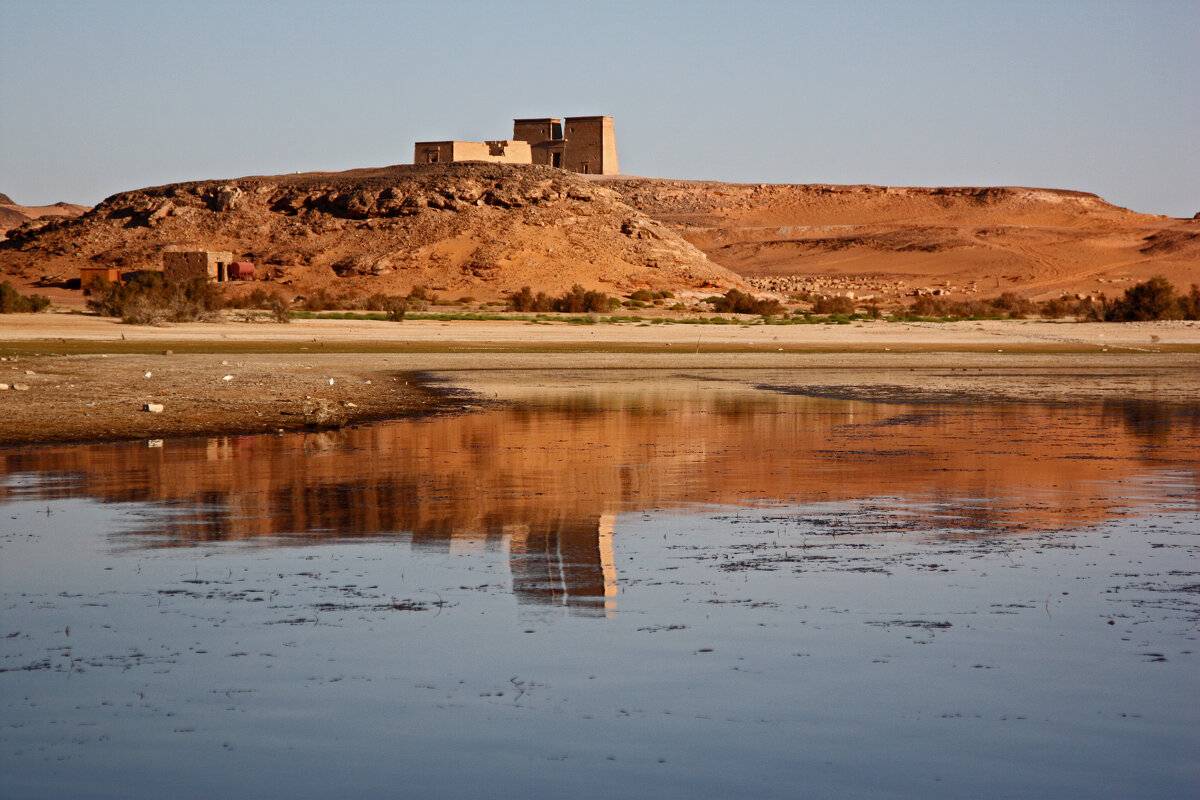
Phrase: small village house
x=89 y=275
x=185 y=263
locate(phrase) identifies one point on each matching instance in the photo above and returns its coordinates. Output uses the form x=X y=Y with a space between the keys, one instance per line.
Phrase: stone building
x=579 y=144
x=185 y=264
x=505 y=152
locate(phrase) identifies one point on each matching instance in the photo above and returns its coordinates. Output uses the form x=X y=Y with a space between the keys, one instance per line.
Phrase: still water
x=640 y=592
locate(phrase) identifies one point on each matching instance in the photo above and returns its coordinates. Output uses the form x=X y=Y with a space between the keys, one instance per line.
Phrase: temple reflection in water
x=547 y=482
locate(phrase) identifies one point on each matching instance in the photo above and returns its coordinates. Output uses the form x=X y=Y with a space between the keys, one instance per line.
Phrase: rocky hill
x=13 y=215
x=457 y=229
x=888 y=241
x=482 y=230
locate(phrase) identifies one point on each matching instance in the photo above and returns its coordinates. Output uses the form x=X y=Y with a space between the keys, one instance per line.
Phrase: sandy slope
x=889 y=241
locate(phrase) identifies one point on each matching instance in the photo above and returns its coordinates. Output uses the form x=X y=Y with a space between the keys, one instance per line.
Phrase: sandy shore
x=75 y=378
x=863 y=335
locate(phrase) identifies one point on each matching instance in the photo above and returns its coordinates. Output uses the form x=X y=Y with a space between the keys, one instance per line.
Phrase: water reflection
x=546 y=481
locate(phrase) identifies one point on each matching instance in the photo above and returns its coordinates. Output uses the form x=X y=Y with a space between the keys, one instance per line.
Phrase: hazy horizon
x=1102 y=97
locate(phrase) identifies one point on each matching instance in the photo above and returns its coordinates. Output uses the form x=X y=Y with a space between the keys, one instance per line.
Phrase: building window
x=556 y=159
x=432 y=156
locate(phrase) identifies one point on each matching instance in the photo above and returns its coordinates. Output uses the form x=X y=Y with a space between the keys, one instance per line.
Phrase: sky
x=103 y=96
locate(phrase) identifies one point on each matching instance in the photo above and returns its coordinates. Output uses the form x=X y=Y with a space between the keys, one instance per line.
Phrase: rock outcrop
x=459 y=229
x=13 y=215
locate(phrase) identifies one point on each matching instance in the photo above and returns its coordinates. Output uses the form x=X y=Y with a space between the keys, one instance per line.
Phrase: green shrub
x=525 y=300
x=1151 y=300
x=1013 y=305
x=320 y=300
x=944 y=307
x=833 y=305
x=1085 y=309
x=737 y=302
x=422 y=294
x=578 y=300
x=281 y=309
x=12 y=302
x=148 y=298
x=396 y=308
x=1190 y=304
x=1006 y=306
x=1056 y=309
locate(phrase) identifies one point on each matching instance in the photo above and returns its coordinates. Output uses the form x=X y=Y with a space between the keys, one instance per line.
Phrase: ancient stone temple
x=579 y=144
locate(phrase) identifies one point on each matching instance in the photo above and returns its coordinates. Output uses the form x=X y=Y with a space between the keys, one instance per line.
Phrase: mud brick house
x=579 y=144
x=185 y=264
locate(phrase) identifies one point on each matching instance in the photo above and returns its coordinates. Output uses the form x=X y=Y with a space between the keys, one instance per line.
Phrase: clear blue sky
x=101 y=96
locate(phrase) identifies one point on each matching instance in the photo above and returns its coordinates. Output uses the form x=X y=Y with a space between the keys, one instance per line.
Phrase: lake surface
x=651 y=589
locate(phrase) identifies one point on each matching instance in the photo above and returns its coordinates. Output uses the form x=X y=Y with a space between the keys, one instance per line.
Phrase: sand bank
x=88 y=378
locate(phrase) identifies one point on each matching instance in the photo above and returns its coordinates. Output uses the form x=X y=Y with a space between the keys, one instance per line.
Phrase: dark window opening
x=556 y=159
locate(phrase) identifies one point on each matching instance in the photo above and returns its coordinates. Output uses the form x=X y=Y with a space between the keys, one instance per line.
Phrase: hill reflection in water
x=546 y=481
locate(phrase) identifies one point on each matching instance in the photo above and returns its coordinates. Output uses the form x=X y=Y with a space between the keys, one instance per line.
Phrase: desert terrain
x=891 y=241
x=471 y=229
x=479 y=231
x=14 y=215
x=483 y=230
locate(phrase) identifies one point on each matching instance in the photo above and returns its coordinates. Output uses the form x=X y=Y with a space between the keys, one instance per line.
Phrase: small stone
x=227 y=378
x=153 y=408
x=4 y=387
x=168 y=352
x=21 y=387
x=147 y=374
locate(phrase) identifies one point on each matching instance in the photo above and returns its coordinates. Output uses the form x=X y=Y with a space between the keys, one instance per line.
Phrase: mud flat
x=626 y=583
x=74 y=378
x=68 y=329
